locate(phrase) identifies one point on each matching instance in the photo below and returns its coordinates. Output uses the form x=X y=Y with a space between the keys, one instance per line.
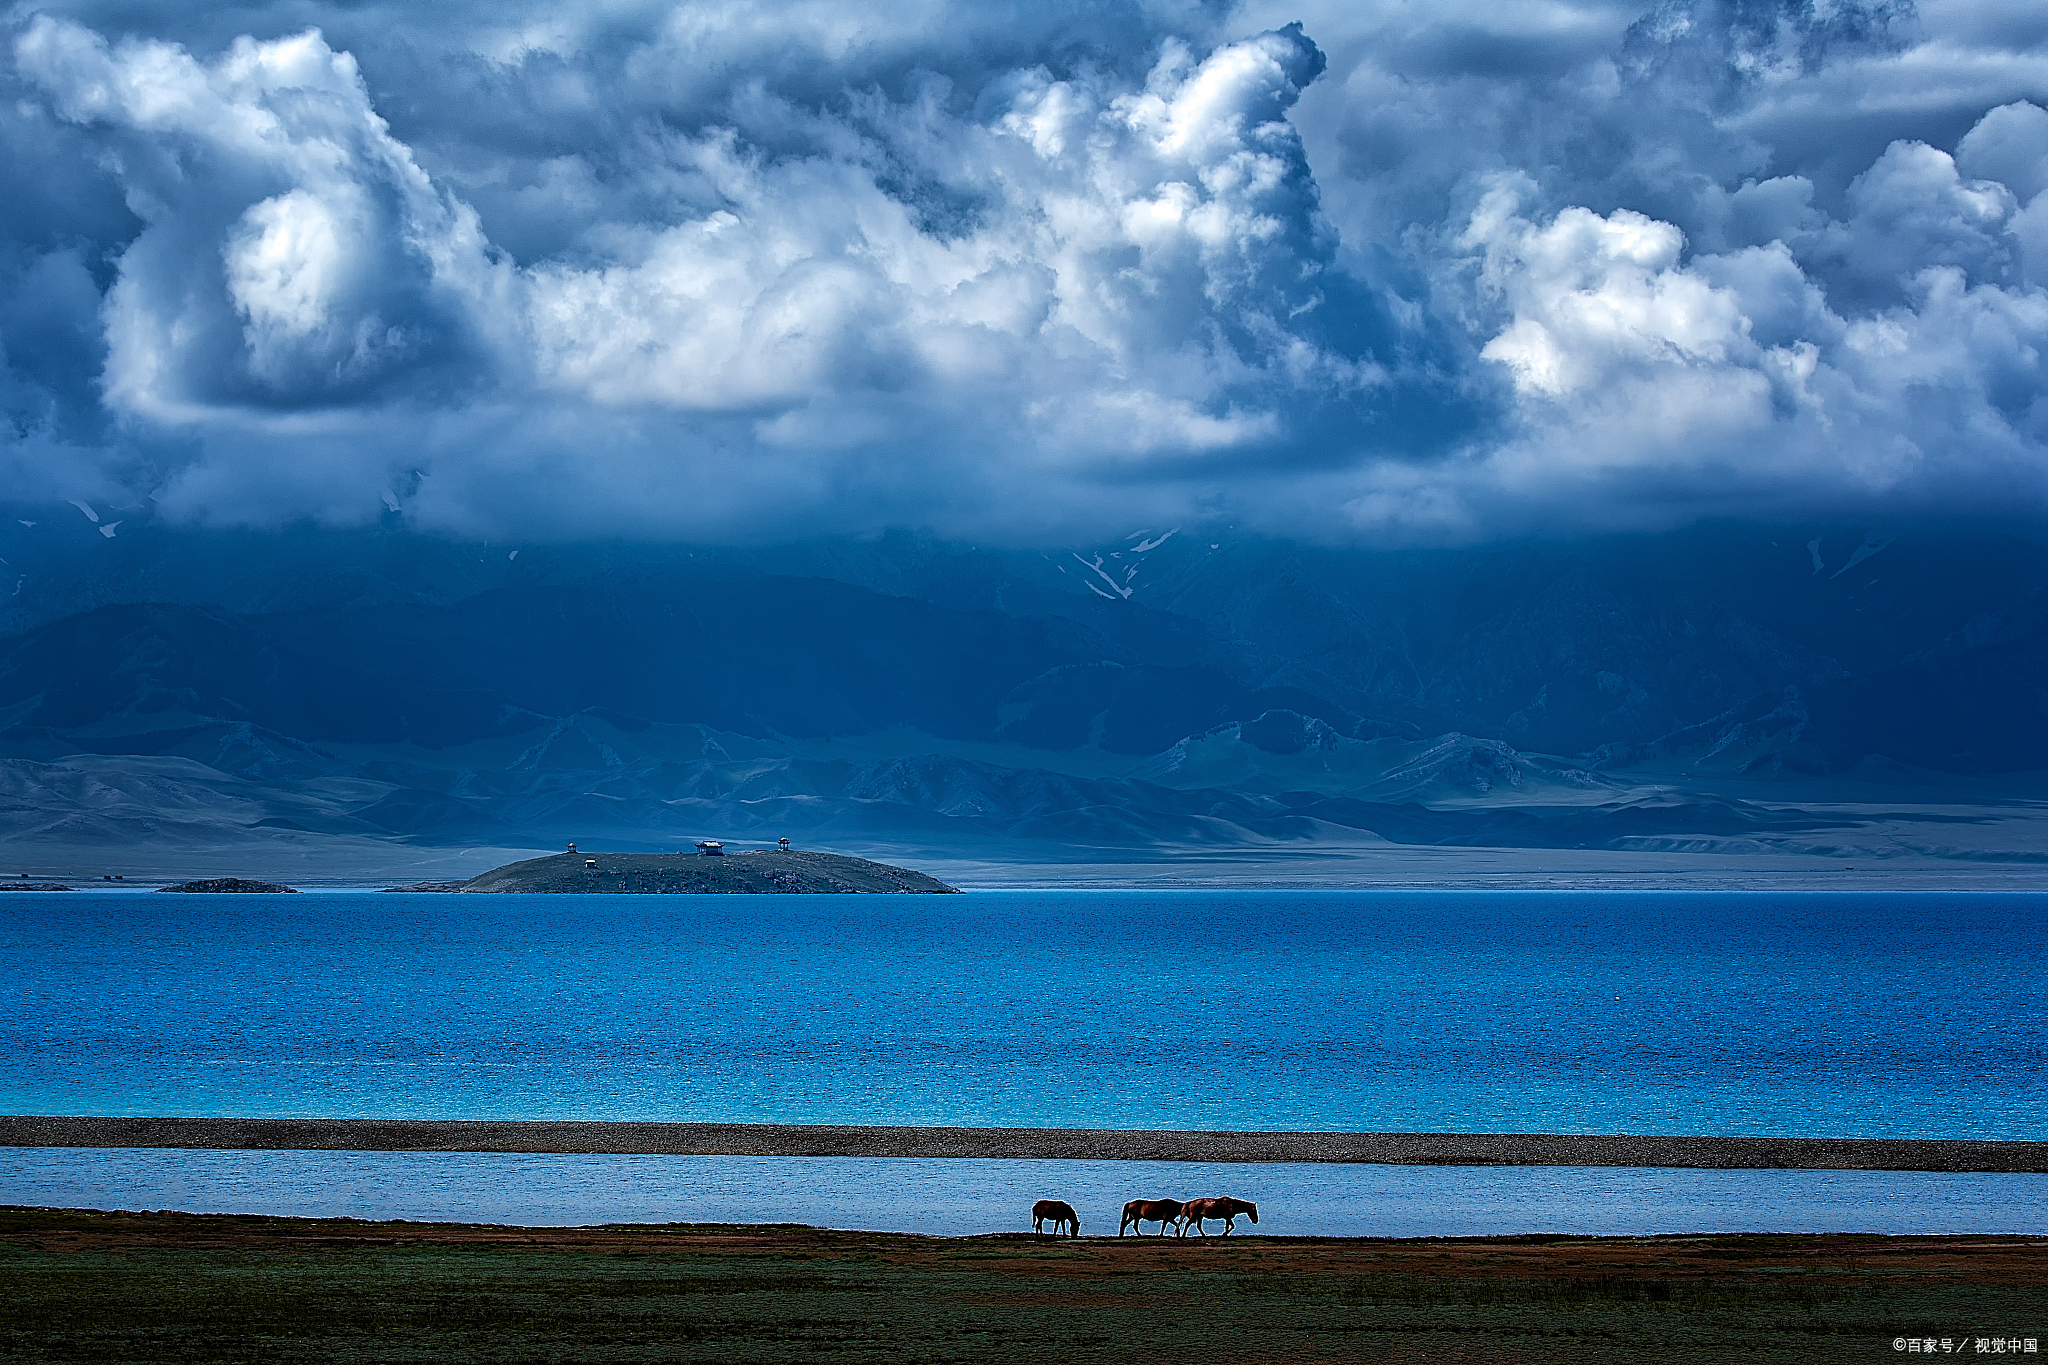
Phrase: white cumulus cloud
x=755 y=267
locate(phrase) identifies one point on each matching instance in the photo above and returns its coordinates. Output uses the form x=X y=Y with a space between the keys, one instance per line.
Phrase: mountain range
x=1726 y=688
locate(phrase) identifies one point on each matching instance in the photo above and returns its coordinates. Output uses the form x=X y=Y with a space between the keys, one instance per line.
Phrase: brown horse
x=1139 y=1212
x=1061 y=1214
x=1198 y=1211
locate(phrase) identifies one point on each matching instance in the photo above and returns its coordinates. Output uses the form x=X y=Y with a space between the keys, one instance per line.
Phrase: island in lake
x=766 y=871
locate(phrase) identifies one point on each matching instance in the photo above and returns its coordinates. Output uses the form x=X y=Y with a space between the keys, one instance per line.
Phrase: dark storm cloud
x=744 y=269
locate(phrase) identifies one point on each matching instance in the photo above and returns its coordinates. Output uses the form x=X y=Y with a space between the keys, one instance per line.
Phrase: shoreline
x=94 y=1285
x=1077 y=1144
x=214 y=1230
x=975 y=878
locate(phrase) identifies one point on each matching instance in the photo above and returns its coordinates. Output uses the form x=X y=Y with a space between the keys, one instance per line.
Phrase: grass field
x=80 y=1285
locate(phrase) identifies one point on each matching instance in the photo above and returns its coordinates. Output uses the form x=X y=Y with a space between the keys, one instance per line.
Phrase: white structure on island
x=711 y=848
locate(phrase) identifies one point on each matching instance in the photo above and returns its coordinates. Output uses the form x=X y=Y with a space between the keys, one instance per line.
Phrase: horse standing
x=1141 y=1211
x=1198 y=1211
x=1059 y=1212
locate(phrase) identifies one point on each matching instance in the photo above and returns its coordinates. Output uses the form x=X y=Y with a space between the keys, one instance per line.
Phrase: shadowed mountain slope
x=1178 y=691
x=750 y=654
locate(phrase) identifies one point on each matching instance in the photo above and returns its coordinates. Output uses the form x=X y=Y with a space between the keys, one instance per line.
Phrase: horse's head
x=1252 y=1209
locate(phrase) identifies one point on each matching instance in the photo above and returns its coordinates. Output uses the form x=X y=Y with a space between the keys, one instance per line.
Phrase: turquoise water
x=1908 y=1014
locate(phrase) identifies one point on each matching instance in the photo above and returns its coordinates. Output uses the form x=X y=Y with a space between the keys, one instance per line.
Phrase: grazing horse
x=1139 y=1212
x=1060 y=1212
x=1197 y=1211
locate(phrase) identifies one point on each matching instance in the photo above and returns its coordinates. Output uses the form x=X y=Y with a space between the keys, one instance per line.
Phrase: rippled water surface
x=1908 y=1014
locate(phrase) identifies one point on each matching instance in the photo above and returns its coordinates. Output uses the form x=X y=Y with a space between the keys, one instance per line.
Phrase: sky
x=1376 y=271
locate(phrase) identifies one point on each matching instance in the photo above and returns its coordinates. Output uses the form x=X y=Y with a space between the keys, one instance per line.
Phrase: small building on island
x=711 y=848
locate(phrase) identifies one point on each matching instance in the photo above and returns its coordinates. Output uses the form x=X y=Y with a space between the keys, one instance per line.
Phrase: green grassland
x=82 y=1286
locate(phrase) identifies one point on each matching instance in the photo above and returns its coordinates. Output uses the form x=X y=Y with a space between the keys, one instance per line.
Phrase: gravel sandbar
x=1089 y=1144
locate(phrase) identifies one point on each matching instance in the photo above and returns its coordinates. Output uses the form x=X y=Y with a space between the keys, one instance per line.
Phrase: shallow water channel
x=963 y=1196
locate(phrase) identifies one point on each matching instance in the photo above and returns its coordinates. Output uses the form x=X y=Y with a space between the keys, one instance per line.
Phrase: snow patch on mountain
x=1872 y=543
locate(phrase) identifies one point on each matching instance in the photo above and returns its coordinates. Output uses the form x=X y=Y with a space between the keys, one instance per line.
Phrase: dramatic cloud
x=749 y=269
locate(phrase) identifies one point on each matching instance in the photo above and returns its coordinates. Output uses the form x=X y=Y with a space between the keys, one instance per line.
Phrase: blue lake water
x=1908 y=1014
x=952 y=1197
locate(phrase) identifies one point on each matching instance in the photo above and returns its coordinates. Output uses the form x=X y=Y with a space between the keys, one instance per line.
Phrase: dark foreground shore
x=1091 y=1144
x=79 y=1285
